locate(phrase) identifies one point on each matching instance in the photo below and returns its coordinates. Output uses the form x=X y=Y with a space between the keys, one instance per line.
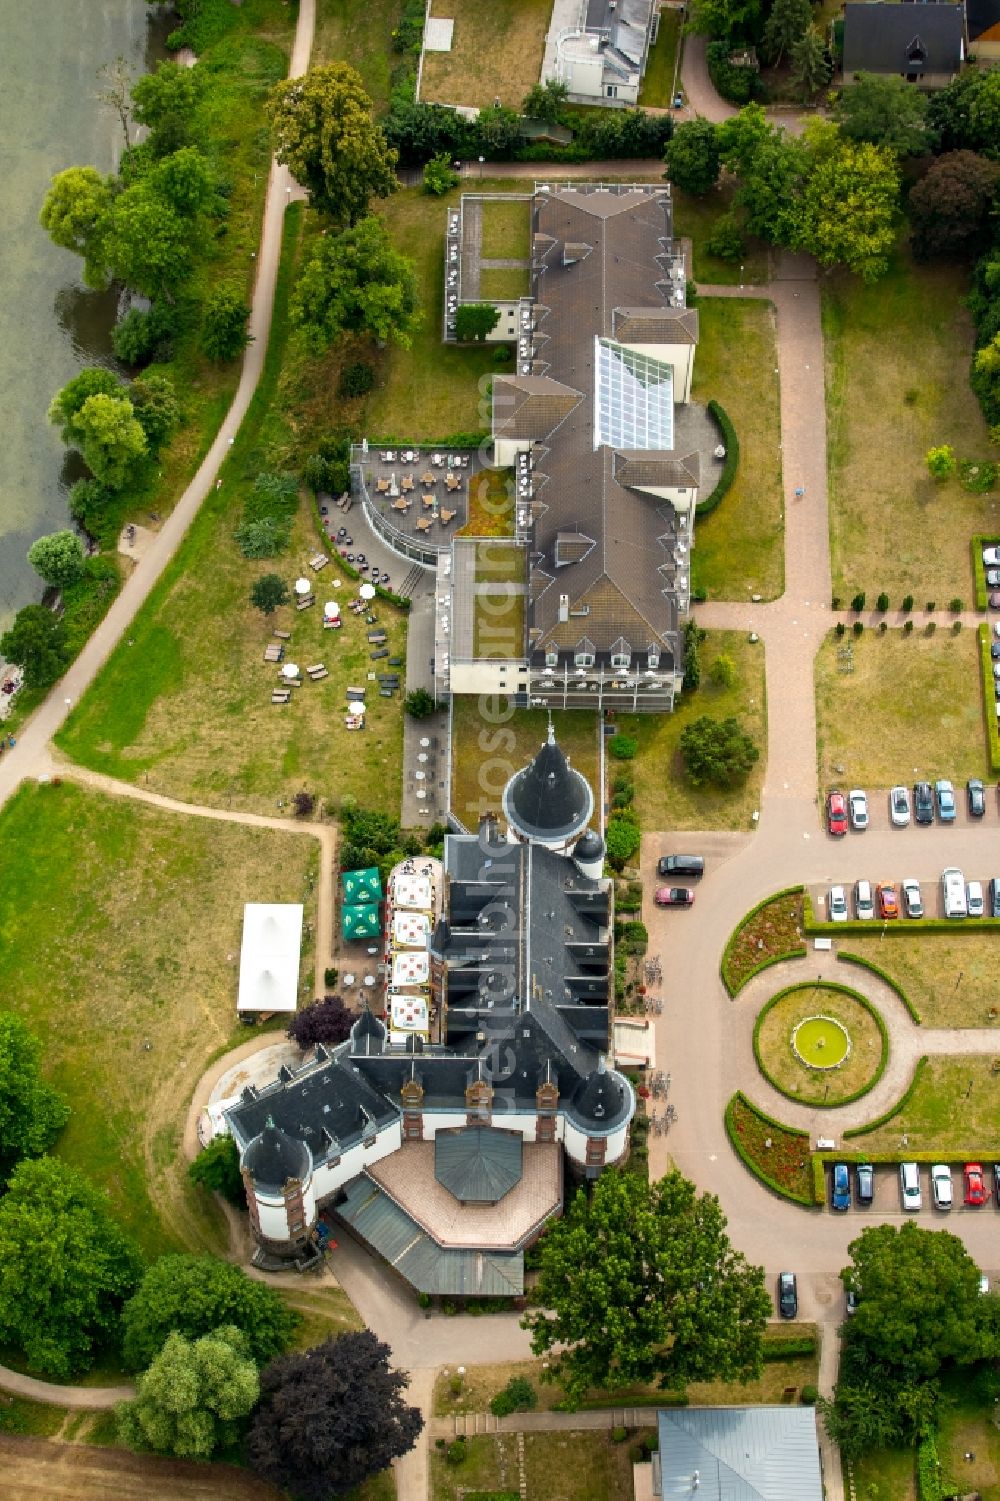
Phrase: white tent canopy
x=269 y=958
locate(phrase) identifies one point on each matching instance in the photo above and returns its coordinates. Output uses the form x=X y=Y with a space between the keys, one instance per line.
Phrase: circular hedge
x=778 y=1060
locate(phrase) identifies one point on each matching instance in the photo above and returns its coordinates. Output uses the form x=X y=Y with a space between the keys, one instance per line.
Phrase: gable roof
x=903 y=38
x=740 y=1453
x=530 y=406
x=982 y=17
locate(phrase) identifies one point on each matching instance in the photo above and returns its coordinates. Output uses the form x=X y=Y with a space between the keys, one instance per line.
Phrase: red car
x=674 y=896
x=888 y=901
x=975 y=1184
x=836 y=813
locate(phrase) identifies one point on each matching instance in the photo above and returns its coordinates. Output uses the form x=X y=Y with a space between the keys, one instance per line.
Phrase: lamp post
x=481 y=160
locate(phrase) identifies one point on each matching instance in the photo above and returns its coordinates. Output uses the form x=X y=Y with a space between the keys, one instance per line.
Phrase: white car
x=899 y=807
x=909 y=1185
x=941 y=1186
x=864 y=901
x=991 y=557
x=984 y=1283
x=974 y=898
x=953 y=892
x=836 y=904
x=857 y=804
x=913 y=902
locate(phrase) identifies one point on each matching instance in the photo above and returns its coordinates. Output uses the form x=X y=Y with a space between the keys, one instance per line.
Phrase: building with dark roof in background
x=448 y=1157
x=924 y=44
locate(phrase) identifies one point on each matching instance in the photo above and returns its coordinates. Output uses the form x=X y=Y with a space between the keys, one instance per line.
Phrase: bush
x=330 y=976
x=907 y=627
x=907 y=605
x=809 y=1395
x=738 y=85
x=956 y=607
x=882 y=603
x=619 y=1434
x=517 y=1396
x=356 y=379
x=858 y=627
x=217 y=1168
x=858 y=602
x=303 y=803
x=930 y=606
x=930 y=627
x=456 y=1451
x=883 y=626
x=623 y=747
x=144 y=336
x=732 y=460
x=622 y=839
x=726 y=242
x=419 y=704
x=840 y=628
x=692 y=662
x=941 y=462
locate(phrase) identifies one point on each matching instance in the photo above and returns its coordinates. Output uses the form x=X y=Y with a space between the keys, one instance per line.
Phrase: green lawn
x=119 y=935
x=952 y=1111
x=506 y=229
x=968 y=1427
x=664 y=798
x=695 y=218
x=896 y=385
x=496 y=52
x=657 y=89
x=485 y=753
x=951 y=979
x=738 y=549
x=359 y=32
x=503 y=283
x=923 y=692
x=892 y=1471
x=818 y=1085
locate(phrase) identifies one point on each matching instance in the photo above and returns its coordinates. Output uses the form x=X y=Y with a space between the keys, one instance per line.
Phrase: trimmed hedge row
x=848 y=1099
x=749 y=1163
x=401 y=601
x=979 y=567
x=876 y=969
x=812 y=924
x=990 y=720
x=901 y=1103
x=775 y=896
x=732 y=461
x=789 y=1349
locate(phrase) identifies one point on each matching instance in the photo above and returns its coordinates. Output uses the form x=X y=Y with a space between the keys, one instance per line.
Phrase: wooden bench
x=274 y=652
x=317 y=677
x=280 y=696
x=318 y=562
x=305 y=601
x=376 y=638
x=283 y=635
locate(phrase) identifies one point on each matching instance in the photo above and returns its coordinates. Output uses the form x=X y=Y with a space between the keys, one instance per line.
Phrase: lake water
x=50 y=325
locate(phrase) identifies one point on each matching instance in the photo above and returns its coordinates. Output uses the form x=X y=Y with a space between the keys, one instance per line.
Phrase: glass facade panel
x=634 y=405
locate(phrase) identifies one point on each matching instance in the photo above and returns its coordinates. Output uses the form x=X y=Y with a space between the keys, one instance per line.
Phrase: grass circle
x=785 y=1043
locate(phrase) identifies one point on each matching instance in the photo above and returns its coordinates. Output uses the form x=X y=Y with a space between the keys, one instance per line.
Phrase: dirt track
x=35 y=1470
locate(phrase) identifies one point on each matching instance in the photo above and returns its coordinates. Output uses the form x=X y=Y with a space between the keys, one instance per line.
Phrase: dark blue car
x=840 y=1187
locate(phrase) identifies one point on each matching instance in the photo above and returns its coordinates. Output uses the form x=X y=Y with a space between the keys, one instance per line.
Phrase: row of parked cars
x=888 y=899
x=975 y=1191
x=926 y=802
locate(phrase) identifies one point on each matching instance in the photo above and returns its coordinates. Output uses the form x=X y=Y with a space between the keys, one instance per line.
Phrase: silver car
x=913 y=902
x=864 y=901
x=909 y=1186
x=941 y=1186
x=857 y=804
x=899 y=807
x=836 y=904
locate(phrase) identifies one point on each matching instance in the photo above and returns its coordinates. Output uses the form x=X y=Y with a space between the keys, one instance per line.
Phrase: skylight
x=634 y=401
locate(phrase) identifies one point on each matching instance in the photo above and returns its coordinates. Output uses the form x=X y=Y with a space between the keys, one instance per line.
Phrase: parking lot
x=887 y=1202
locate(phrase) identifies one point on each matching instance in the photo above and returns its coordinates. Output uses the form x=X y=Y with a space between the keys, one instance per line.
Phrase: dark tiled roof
x=646 y=471
x=601 y=1102
x=981 y=16
x=530 y=406
x=478 y=1164
x=273 y=1157
x=887 y=38
x=669 y=325
x=548 y=800
x=328 y=1105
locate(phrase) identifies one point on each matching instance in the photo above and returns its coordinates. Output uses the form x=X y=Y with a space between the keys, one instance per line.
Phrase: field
x=951 y=980
x=952 y=1111
x=657 y=89
x=664 y=799
x=121 y=927
x=896 y=385
x=486 y=753
x=496 y=53
x=738 y=549
x=358 y=32
x=696 y=218
x=922 y=693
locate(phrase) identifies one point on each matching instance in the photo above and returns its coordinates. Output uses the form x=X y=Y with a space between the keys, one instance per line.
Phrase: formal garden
x=820 y=1043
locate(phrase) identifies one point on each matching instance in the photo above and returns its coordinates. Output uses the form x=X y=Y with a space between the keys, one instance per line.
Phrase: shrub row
x=750 y=1163
x=886 y=978
x=791 y=1348
x=814 y=925
x=990 y=719
x=979 y=567
x=894 y=1110
x=733 y=939
x=401 y=601
x=732 y=446
x=847 y=1099
x=930 y=1486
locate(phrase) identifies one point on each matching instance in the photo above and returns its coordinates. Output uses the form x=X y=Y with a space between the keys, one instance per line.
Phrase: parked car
x=941 y=1186
x=858 y=804
x=984 y=1284
x=945 y=793
x=851 y=1299
x=836 y=813
x=788 y=1296
x=681 y=865
x=899 y=807
x=994 y=891
x=993 y=578
x=996 y=1182
x=975 y=1184
x=909 y=1186
x=976 y=795
x=888 y=901
x=864 y=901
x=953 y=892
x=864 y=1183
x=923 y=801
x=993 y=599
x=974 y=898
x=840 y=1187
x=913 y=902
x=995 y=649
x=836 y=904
x=674 y=896
x=991 y=557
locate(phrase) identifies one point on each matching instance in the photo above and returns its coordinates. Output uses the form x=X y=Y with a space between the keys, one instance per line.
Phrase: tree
x=692 y=659
x=268 y=592
x=157 y=410
x=224 y=333
x=326 y=135
x=32 y=1113
x=545 y=101
x=57 y=558
x=885 y=111
x=499 y=130
x=325 y=1021
x=726 y=20
x=985 y=379
x=772 y=167
x=144 y=335
x=787 y=24
x=717 y=752
x=65 y=406
x=952 y=206
x=76 y=212
x=723 y=671
x=849 y=203
x=439 y=175
x=941 y=462
x=166 y=102
x=476 y=320
x=192 y=1400
x=149 y=245
x=184 y=180
x=966 y=114
x=193 y=1295
x=639 y=1280
x=877 y=1408
x=116 y=78
x=65 y=1268
x=692 y=155
x=920 y=1305
x=726 y=240
x=36 y=642
x=810 y=63
x=330 y=1417
x=110 y=437
x=356 y=281
x=262 y=539
x=217 y=1168
x=419 y=704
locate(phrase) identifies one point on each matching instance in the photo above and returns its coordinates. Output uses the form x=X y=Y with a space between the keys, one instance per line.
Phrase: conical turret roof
x=548 y=801
x=273 y=1157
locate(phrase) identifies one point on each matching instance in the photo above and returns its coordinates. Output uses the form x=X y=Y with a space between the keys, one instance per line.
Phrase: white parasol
x=367 y=591
x=356 y=707
x=331 y=609
x=302 y=586
x=290 y=670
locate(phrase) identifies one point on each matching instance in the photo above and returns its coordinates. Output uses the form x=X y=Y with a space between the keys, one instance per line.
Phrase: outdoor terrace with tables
x=415 y=499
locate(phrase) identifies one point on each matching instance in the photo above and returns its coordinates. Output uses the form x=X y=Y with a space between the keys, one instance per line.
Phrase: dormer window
x=621 y=659
x=653 y=658
x=583 y=658
x=621 y=655
x=551 y=657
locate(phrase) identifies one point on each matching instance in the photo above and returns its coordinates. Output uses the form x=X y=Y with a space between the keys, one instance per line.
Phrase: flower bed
x=771 y=931
x=783 y=1166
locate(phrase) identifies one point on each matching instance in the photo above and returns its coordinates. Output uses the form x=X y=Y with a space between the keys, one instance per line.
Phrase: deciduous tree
x=76 y=212
x=966 y=114
x=224 y=333
x=849 y=203
x=36 y=642
x=32 y=1113
x=326 y=134
x=639 y=1281
x=184 y=180
x=57 y=558
x=268 y=593
x=65 y=1268
x=545 y=101
x=951 y=208
x=149 y=245
x=439 y=176
x=941 y=461
x=475 y=320
x=330 y=1417
x=157 y=410
x=110 y=438
x=885 y=111
x=166 y=103
x=196 y=1294
x=419 y=704
x=326 y=1021
x=717 y=752
x=217 y=1168
x=66 y=404
x=692 y=155
x=194 y=1398
x=356 y=281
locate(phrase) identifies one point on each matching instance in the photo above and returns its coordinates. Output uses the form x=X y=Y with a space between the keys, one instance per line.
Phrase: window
x=584 y=658
x=620 y=660
x=612 y=90
x=551 y=657
x=653 y=658
x=634 y=400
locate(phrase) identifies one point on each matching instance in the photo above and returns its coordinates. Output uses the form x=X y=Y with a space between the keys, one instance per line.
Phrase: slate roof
x=981 y=18
x=548 y=799
x=885 y=38
x=273 y=1157
x=325 y=1105
x=740 y=1453
x=478 y=1164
